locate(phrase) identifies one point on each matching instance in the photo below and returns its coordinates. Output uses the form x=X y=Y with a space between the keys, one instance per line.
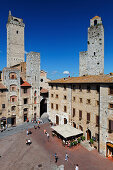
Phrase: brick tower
x=15 y=40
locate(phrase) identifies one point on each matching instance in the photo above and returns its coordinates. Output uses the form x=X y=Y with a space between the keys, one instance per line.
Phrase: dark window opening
x=3 y=106
x=73 y=112
x=25 y=101
x=110 y=126
x=88 y=117
x=17 y=32
x=25 y=90
x=41 y=80
x=80 y=114
x=97 y=121
x=94 y=53
x=95 y=22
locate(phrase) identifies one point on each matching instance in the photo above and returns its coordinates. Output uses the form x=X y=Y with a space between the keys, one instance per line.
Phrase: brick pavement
x=17 y=156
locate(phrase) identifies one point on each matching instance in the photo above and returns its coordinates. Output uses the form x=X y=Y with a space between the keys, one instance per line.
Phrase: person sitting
x=28 y=142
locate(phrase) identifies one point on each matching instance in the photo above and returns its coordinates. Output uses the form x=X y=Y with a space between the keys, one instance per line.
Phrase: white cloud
x=25 y=52
x=54 y=72
x=66 y=72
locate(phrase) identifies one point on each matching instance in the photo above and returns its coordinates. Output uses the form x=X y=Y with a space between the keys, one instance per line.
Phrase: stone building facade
x=91 y=62
x=86 y=103
x=20 y=80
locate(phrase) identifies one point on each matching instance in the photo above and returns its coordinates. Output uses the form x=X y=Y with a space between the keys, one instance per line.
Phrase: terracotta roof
x=43 y=90
x=25 y=84
x=96 y=17
x=85 y=79
x=2 y=86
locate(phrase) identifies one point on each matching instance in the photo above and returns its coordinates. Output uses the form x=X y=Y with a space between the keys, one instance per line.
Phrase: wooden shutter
x=88 y=116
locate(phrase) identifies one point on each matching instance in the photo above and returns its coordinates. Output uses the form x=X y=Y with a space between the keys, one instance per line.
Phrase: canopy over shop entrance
x=67 y=131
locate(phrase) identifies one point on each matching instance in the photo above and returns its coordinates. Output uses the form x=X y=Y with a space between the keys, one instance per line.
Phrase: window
x=80 y=114
x=65 y=97
x=110 y=126
x=34 y=108
x=13 y=89
x=65 y=109
x=80 y=88
x=25 y=90
x=73 y=98
x=74 y=87
x=56 y=95
x=80 y=100
x=88 y=88
x=88 y=101
x=56 y=106
x=3 y=106
x=64 y=87
x=12 y=75
x=41 y=80
x=88 y=117
x=51 y=95
x=95 y=22
x=35 y=93
x=13 y=99
x=56 y=87
x=97 y=103
x=94 y=53
x=25 y=101
x=97 y=137
x=51 y=105
x=17 y=32
x=73 y=112
x=97 y=121
x=98 y=88
x=13 y=108
x=111 y=105
x=35 y=99
x=111 y=90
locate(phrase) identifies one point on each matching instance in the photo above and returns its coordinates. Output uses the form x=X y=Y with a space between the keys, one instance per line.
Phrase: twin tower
x=91 y=62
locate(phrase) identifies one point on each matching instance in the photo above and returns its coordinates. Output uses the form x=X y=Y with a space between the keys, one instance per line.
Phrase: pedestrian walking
x=56 y=157
x=27 y=133
x=76 y=167
x=44 y=131
x=66 y=157
x=48 y=136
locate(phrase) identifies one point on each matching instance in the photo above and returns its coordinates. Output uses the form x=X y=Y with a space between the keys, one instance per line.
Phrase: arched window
x=13 y=87
x=35 y=93
x=12 y=75
x=95 y=22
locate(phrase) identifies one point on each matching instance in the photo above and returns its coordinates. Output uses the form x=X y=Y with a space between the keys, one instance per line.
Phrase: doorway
x=88 y=134
x=13 y=120
x=25 y=117
x=65 y=121
x=57 y=120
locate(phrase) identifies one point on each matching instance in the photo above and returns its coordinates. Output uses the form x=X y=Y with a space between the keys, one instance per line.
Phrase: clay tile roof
x=25 y=84
x=96 y=17
x=43 y=90
x=2 y=86
x=85 y=79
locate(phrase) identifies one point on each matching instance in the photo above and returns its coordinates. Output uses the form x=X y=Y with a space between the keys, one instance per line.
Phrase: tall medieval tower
x=91 y=62
x=15 y=40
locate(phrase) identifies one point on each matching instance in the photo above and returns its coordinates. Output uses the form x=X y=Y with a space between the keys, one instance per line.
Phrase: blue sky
x=58 y=30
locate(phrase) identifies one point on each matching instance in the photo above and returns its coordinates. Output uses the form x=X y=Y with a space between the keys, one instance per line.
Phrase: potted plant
x=83 y=138
x=91 y=141
x=79 y=140
x=75 y=143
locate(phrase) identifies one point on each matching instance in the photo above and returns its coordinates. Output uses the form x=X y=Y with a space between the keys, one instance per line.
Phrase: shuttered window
x=88 y=117
x=80 y=114
x=97 y=121
x=56 y=106
x=73 y=112
x=110 y=125
x=65 y=109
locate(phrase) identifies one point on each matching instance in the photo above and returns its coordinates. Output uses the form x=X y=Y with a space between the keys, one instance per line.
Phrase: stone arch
x=43 y=106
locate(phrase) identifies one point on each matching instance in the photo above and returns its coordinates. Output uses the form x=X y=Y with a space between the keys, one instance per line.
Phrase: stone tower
x=15 y=40
x=33 y=78
x=91 y=62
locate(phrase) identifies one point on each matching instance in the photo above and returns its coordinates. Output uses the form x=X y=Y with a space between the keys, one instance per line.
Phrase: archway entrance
x=88 y=134
x=57 y=120
x=109 y=150
x=74 y=125
x=43 y=106
x=13 y=120
x=65 y=121
x=34 y=116
x=80 y=127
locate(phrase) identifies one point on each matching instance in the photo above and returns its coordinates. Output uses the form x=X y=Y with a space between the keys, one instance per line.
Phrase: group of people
x=46 y=133
x=66 y=159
